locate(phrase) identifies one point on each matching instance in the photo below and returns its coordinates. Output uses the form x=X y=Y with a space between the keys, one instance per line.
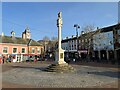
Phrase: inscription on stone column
x=61 y=55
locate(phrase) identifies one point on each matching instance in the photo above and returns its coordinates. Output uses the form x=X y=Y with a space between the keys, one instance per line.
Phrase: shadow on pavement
x=39 y=68
x=107 y=73
x=113 y=74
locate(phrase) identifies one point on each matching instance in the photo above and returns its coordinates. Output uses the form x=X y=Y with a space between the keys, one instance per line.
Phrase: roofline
x=115 y=26
x=14 y=44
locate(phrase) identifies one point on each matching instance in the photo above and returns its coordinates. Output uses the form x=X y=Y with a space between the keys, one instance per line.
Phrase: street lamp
x=77 y=27
x=28 y=46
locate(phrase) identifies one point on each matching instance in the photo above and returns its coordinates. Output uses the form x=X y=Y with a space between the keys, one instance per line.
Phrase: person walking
x=3 y=59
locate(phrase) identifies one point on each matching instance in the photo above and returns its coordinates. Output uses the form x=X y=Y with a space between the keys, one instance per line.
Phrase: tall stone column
x=59 y=52
x=59 y=65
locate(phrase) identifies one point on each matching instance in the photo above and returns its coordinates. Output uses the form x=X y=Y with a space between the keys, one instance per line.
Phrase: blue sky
x=41 y=17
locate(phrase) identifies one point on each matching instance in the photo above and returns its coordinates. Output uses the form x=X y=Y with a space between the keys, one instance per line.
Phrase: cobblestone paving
x=84 y=76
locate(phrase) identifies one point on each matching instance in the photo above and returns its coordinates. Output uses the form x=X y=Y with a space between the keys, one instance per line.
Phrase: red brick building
x=17 y=48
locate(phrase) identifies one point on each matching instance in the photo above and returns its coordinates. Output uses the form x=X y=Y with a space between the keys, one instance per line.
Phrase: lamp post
x=77 y=27
x=28 y=46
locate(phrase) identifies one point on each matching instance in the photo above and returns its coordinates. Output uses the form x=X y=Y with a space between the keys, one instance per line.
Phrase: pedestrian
x=74 y=60
x=35 y=60
x=3 y=59
x=17 y=59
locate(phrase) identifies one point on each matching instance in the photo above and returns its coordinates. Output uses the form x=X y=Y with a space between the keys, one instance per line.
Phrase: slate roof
x=110 y=28
x=18 y=40
x=105 y=29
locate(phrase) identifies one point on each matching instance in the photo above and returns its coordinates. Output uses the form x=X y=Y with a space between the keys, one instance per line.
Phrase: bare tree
x=49 y=45
x=52 y=45
x=88 y=35
x=54 y=39
x=45 y=43
x=46 y=38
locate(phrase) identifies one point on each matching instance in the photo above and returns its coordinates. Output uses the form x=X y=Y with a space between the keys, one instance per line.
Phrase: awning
x=12 y=54
x=83 y=51
x=30 y=54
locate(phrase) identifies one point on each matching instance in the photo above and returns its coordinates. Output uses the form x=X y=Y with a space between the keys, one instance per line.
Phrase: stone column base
x=60 y=68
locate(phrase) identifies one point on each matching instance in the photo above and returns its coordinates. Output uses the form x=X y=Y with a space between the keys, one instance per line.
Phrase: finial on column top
x=60 y=14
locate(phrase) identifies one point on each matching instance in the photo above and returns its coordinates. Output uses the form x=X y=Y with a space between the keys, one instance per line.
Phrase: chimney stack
x=66 y=37
x=2 y=34
x=12 y=33
x=72 y=36
x=97 y=28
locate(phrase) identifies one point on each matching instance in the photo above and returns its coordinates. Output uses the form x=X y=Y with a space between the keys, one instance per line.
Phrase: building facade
x=19 y=49
x=70 y=47
x=116 y=33
x=103 y=45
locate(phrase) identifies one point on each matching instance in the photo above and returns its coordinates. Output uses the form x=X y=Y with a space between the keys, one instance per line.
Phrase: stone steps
x=60 y=68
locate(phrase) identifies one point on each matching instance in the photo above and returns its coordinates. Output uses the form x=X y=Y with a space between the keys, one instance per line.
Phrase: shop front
x=118 y=55
x=82 y=54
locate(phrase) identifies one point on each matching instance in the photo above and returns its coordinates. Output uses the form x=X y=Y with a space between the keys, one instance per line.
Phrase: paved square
x=31 y=75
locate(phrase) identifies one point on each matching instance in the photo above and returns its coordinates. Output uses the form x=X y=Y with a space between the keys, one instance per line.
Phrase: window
x=82 y=41
x=14 y=50
x=42 y=50
x=89 y=39
x=5 y=49
x=116 y=32
x=23 y=50
x=119 y=32
x=119 y=40
x=66 y=48
x=38 y=50
x=33 y=50
x=72 y=48
x=75 y=46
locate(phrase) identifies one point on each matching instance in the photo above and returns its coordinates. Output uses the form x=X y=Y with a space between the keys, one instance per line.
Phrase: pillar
x=107 y=52
x=59 y=59
x=99 y=55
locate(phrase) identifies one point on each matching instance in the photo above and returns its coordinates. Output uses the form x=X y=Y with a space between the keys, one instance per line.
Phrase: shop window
x=5 y=49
